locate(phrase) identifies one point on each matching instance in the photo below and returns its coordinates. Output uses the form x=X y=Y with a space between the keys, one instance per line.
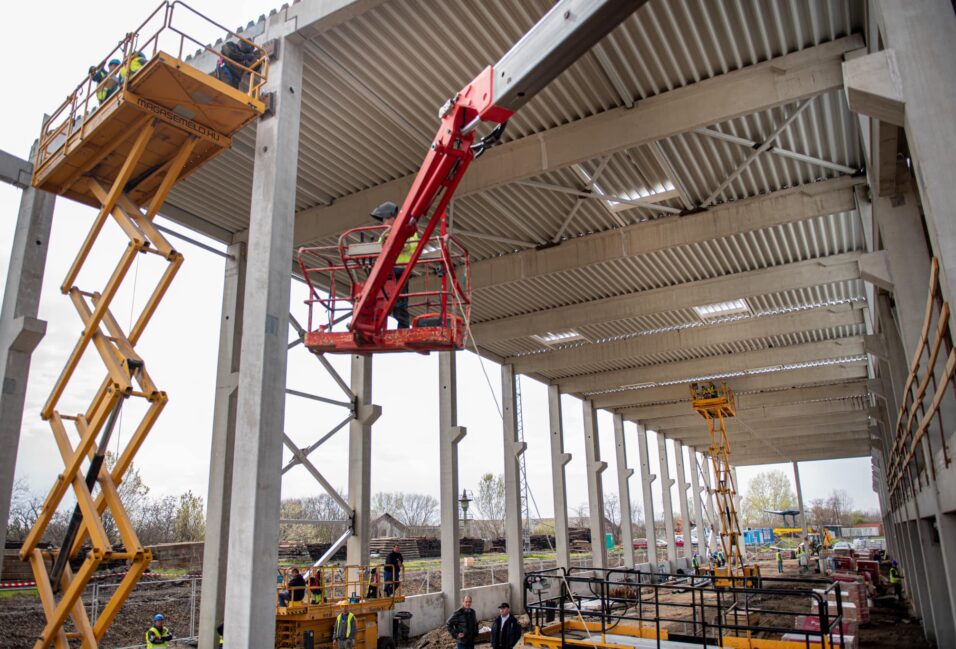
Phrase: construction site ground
x=21 y=617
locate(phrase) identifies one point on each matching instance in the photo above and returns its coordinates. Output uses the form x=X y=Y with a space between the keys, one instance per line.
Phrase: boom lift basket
x=438 y=293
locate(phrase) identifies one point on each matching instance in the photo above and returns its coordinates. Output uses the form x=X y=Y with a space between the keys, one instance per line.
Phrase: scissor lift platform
x=182 y=101
x=120 y=142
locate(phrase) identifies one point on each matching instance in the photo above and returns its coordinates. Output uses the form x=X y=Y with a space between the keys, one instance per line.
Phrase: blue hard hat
x=115 y=62
x=894 y=562
x=158 y=617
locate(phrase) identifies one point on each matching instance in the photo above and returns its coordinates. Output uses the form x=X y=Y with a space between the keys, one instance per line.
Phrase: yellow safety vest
x=348 y=626
x=134 y=66
x=157 y=634
x=405 y=255
x=895 y=576
x=779 y=557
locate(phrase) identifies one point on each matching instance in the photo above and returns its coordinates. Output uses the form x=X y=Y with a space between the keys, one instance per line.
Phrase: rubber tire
x=386 y=643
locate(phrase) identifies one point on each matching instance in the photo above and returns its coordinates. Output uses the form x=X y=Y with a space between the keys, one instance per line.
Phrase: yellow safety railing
x=926 y=382
x=161 y=31
x=331 y=585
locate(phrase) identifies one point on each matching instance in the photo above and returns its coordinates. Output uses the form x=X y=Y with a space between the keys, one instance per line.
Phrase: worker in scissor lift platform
x=386 y=213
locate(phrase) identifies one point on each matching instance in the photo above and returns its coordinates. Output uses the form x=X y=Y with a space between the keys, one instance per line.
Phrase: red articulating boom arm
x=564 y=34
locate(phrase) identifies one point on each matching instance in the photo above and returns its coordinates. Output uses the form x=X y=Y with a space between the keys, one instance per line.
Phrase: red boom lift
x=358 y=273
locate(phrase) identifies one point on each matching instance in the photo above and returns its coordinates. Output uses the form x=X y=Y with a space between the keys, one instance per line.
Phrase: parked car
x=640 y=544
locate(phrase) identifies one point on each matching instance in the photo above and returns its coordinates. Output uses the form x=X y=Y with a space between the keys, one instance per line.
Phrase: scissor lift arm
x=562 y=36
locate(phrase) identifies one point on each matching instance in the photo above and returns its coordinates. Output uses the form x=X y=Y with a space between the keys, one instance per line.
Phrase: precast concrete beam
x=833 y=391
x=874 y=88
x=222 y=450
x=764 y=281
x=803 y=512
x=559 y=459
x=779 y=81
x=759 y=360
x=761 y=413
x=798 y=377
x=594 y=471
x=776 y=433
x=843 y=452
x=254 y=510
x=668 y=342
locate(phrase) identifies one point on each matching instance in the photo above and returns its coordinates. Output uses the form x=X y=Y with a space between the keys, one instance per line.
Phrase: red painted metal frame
x=373 y=299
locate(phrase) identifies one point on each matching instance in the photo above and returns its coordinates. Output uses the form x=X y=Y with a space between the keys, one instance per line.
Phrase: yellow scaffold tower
x=715 y=404
x=141 y=121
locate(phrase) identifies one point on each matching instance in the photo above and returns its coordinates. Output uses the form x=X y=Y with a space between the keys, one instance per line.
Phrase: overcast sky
x=180 y=346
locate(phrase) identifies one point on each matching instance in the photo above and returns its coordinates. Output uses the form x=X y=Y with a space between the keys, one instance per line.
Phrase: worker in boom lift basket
x=386 y=213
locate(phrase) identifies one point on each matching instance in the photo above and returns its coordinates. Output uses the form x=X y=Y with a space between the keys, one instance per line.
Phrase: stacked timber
x=473 y=546
x=428 y=547
x=407 y=546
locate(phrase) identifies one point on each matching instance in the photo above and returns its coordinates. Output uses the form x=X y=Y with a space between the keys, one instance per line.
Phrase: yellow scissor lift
x=120 y=142
x=714 y=404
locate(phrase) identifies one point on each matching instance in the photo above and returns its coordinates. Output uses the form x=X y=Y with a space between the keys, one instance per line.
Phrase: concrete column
x=514 y=544
x=698 y=503
x=901 y=230
x=919 y=581
x=20 y=329
x=667 y=493
x=624 y=491
x=803 y=513
x=450 y=434
x=559 y=460
x=221 y=454
x=646 y=479
x=595 y=467
x=260 y=412
x=705 y=471
x=917 y=32
x=360 y=459
x=737 y=501
x=937 y=584
x=682 y=488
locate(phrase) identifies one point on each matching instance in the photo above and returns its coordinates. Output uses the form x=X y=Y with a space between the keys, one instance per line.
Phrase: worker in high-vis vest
x=136 y=62
x=896 y=580
x=386 y=213
x=106 y=81
x=343 y=633
x=695 y=563
x=779 y=557
x=159 y=634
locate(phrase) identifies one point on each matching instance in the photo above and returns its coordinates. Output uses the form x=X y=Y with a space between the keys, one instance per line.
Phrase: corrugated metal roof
x=373 y=84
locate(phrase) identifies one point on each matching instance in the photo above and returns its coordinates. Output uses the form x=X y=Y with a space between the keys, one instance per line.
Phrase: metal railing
x=927 y=385
x=336 y=273
x=692 y=608
x=104 y=83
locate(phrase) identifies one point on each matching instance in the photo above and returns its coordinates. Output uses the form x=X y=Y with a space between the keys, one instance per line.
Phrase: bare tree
x=612 y=513
x=414 y=510
x=581 y=516
x=489 y=503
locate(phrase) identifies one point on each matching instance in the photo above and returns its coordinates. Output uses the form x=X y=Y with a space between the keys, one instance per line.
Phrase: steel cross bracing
x=300 y=456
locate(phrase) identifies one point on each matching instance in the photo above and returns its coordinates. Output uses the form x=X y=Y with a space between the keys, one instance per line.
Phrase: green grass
x=14 y=594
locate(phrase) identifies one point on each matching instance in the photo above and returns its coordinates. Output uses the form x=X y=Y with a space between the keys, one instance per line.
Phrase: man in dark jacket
x=505 y=630
x=463 y=625
x=394 y=563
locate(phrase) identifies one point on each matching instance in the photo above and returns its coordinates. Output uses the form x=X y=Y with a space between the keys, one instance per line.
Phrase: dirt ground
x=21 y=617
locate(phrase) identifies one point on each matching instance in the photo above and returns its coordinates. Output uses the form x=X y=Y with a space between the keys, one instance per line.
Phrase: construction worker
x=386 y=213
x=159 y=634
x=505 y=630
x=896 y=580
x=219 y=632
x=779 y=557
x=106 y=81
x=136 y=63
x=316 y=586
x=393 y=569
x=236 y=56
x=343 y=633
x=721 y=558
x=803 y=558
